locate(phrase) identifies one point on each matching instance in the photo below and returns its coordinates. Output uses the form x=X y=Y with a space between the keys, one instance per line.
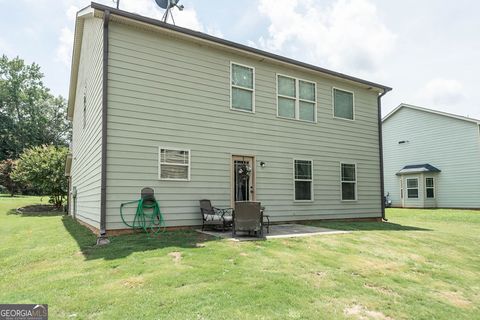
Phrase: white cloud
x=347 y=35
x=64 y=49
x=443 y=92
x=5 y=47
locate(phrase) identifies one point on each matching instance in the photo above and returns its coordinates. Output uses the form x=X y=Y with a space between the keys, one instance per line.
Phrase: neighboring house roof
x=445 y=114
x=418 y=168
x=199 y=36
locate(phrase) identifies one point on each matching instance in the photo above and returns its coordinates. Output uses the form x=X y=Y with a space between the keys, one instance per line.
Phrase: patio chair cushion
x=214 y=217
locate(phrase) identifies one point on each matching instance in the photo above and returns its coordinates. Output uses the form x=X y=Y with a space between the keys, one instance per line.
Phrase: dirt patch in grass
x=133 y=282
x=39 y=208
x=455 y=298
x=380 y=289
x=176 y=256
x=360 y=312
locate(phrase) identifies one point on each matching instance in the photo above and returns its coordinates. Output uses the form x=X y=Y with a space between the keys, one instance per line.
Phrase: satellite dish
x=168 y=5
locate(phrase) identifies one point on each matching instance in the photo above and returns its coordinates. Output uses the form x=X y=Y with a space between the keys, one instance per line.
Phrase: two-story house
x=431 y=158
x=156 y=105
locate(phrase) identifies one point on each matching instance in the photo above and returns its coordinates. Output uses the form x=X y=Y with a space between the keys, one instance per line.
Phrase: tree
x=43 y=168
x=6 y=169
x=29 y=114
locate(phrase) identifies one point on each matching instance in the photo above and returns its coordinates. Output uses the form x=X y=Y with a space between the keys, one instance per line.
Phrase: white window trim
x=434 y=191
x=310 y=180
x=243 y=88
x=175 y=164
x=356 y=182
x=297 y=98
x=407 y=188
x=333 y=103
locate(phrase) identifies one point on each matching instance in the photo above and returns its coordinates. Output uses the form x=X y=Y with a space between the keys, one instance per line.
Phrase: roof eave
x=445 y=114
x=77 y=44
x=237 y=46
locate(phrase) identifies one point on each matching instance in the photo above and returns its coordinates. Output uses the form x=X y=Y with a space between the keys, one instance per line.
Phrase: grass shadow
x=124 y=245
x=35 y=214
x=366 y=226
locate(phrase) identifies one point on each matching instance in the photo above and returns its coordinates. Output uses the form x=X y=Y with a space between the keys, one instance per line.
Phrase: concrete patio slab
x=290 y=230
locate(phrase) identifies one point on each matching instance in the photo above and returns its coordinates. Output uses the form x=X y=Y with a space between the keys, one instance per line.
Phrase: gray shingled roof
x=418 y=168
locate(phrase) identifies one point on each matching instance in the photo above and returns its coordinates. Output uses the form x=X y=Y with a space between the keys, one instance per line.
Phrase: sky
x=428 y=51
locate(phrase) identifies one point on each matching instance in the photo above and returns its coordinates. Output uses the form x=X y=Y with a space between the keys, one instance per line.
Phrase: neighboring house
x=155 y=105
x=431 y=158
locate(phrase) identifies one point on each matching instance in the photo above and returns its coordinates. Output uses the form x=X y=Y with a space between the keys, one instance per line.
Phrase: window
x=85 y=109
x=412 y=188
x=343 y=104
x=243 y=88
x=349 y=181
x=296 y=99
x=174 y=164
x=303 y=180
x=429 y=188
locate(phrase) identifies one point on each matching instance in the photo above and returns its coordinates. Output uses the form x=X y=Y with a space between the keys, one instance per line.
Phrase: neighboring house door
x=243 y=178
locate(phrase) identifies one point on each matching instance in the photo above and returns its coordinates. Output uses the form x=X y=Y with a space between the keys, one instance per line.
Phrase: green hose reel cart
x=148 y=216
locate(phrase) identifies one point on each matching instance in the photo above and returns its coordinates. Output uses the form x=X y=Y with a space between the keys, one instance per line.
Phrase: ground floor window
x=430 y=188
x=349 y=181
x=303 y=180
x=174 y=164
x=412 y=188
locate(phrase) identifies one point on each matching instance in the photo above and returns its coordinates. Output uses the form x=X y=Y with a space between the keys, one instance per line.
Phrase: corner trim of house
x=103 y=187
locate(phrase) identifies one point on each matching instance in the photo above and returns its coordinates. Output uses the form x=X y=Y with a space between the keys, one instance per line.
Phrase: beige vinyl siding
x=451 y=145
x=86 y=144
x=173 y=93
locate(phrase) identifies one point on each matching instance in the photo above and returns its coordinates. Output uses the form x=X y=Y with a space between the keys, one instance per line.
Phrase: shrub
x=43 y=168
x=6 y=169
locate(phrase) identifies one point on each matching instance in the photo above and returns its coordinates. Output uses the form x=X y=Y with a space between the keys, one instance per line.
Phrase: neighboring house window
x=343 y=104
x=296 y=99
x=412 y=188
x=84 y=110
x=303 y=180
x=174 y=164
x=349 y=181
x=243 y=88
x=430 y=188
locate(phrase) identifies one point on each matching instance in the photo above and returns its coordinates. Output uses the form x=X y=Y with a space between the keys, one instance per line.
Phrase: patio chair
x=248 y=217
x=213 y=216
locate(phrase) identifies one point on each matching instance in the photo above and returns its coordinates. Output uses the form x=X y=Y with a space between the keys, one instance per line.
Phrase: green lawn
x=422 y=264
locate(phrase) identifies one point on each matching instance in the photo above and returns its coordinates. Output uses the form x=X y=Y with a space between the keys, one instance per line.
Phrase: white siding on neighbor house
x=173 y=93
x=86 y=142
x=450 y=144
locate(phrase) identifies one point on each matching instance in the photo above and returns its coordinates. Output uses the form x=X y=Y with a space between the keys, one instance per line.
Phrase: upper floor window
x=85 y=107
x=343 y=104
x=303 y=180
x=349 y=181
x=242 y=87
x=296 y=99
x=430 y=188
x=174 y=164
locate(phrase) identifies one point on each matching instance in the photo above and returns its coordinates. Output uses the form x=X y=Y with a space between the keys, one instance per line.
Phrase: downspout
x=102 y=239
x=380 y=148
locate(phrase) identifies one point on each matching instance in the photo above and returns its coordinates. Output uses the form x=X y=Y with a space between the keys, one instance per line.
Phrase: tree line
x=34 y=133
